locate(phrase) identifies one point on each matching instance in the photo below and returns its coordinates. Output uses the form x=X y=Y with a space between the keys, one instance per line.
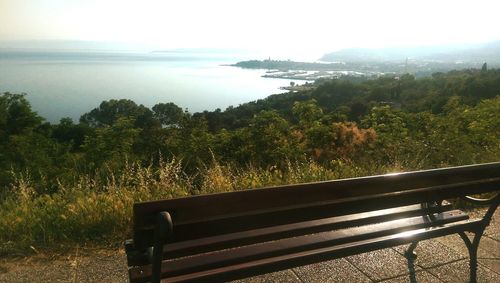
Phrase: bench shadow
x=411 y=268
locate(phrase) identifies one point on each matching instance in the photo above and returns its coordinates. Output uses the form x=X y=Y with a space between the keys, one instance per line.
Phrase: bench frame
x=156 y=223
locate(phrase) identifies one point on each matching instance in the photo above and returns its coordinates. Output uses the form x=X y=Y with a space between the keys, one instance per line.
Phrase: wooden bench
x=221 y=237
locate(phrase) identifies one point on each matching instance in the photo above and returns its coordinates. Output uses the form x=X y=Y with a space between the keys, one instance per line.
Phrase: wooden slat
x=306 y=242
x=296 y=229
x=297 y=213
x=220 y=242
x=210 y=206
x=314 y=256
x=297 y=250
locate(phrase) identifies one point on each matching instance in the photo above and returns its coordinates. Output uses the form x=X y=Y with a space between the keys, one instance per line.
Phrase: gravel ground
x=86 y=265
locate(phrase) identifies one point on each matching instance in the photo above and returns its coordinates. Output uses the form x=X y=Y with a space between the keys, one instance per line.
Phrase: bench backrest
x=208 y=215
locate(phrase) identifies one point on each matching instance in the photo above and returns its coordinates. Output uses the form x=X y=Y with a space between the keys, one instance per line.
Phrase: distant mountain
x=489 y=52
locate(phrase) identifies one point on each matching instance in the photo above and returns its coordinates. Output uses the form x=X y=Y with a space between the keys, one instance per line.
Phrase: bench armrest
x=163 y=231
x=481 y=201
x=493 y=202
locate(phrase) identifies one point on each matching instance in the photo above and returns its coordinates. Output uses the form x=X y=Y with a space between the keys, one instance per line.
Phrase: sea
x=62 y=84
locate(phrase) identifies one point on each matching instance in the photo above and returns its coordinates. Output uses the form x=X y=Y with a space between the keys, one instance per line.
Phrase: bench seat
x=234 y=255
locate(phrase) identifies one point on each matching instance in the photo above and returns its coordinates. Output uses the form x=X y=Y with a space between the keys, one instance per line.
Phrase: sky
x=282 y=28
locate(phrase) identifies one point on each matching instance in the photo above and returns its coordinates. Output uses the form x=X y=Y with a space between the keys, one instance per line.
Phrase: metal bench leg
x=163 y=230
x=472 y=247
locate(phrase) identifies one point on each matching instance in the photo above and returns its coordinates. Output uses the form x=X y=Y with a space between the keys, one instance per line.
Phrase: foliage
x=72 y=182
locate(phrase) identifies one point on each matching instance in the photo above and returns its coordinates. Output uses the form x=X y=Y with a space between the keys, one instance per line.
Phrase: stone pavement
x=443 y=259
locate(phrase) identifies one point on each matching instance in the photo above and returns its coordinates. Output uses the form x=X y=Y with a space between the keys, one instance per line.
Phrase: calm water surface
x=68 y=84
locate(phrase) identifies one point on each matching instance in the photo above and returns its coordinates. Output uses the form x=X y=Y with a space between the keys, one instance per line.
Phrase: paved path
x=443 y=259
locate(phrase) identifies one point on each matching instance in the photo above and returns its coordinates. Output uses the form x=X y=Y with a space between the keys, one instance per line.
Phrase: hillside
x=74 y=183
x=471 y=54
x=354 y=97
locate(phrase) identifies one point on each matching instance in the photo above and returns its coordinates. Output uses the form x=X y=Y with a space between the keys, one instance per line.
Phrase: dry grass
x=95 y=209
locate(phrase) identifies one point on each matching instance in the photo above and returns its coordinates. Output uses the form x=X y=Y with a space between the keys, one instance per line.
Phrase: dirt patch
x=83 y=265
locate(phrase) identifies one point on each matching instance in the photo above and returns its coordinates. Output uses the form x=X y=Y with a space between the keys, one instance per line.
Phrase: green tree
x=110 y=111
x=270 y=141
x=110 y=144
x=16 y=116
x=168 y=114
x=307 y=112
x=70 y=133
x=391 y=131
x=17 y=125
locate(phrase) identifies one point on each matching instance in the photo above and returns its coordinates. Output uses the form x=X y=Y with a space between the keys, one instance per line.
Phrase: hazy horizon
x=84 y=45
x=281 y=29
x=72 y=83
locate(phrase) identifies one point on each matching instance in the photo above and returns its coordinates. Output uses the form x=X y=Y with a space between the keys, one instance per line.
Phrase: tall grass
x=94 y=209
x=89 y=210
x=97 y=209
